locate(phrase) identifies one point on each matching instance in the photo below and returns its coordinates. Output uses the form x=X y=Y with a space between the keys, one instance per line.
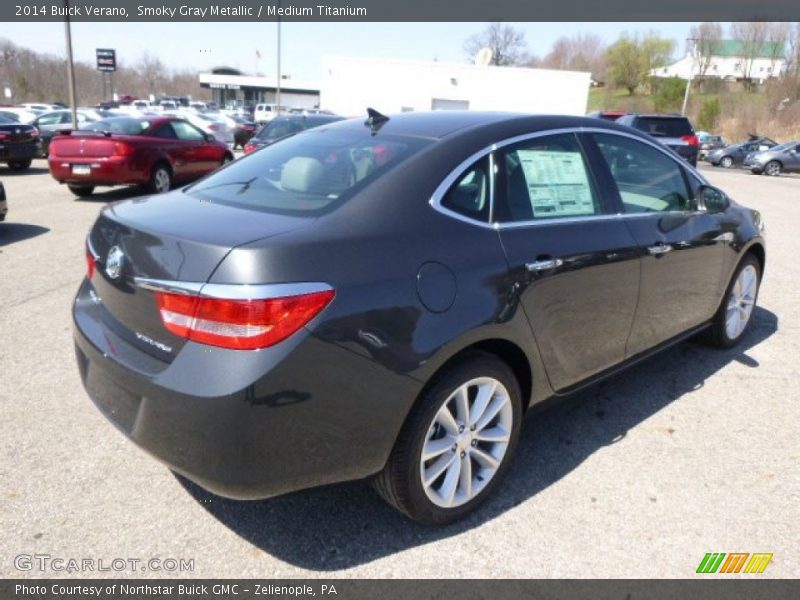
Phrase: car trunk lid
x=169 y=239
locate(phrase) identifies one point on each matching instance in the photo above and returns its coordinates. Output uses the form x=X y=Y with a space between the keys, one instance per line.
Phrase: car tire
x=227 y=158
x=19 y=165
x=726 y=162
x=160 y=179
x=457 y=437
x=81 y=190
x=773 y=168
x=733 y=318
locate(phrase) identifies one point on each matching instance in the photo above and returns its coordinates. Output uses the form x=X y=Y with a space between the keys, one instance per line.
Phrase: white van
x=265 y=112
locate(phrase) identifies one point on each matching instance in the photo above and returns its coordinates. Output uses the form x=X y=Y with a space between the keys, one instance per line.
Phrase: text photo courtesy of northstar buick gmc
x=386 y=299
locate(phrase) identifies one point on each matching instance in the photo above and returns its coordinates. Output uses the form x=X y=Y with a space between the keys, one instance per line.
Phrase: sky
x=202 y=46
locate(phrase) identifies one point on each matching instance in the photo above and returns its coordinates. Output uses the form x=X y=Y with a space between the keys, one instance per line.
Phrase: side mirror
x=209 y=137
x=711 y=199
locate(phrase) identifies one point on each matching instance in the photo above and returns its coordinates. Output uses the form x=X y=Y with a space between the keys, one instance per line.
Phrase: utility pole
x=70 y=67
x=692 y=45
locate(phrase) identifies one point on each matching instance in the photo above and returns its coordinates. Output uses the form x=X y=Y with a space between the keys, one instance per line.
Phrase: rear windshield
x=307 y=173
x=664 y=127
x=120 y=125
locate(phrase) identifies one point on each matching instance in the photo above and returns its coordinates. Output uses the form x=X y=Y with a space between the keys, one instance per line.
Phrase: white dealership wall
x=349 y=85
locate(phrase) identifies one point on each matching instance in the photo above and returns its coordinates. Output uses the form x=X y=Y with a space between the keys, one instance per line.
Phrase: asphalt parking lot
x=694 y=451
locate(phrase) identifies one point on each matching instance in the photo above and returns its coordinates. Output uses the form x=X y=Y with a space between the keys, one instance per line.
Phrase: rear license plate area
x=81 y=170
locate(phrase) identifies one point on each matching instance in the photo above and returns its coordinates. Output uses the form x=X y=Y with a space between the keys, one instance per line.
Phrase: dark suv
x=674 y=131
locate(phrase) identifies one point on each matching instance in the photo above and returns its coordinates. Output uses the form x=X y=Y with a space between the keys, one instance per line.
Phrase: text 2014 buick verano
x=387 y=299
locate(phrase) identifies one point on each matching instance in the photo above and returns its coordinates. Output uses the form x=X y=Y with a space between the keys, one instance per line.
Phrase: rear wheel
x=773 y=168
x=726 y=162
x=457 y=444
x=19 y=165
x=734 y=315
x=81 y=190
x=160 y=179
x=227 y=158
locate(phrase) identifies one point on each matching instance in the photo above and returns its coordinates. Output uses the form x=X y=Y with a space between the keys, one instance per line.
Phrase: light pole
x=278 y=83
x=70 y=67
x=692 y=45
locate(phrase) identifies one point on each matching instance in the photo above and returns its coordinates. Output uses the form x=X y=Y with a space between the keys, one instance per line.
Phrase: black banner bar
x=712 y=587
x=394 y=10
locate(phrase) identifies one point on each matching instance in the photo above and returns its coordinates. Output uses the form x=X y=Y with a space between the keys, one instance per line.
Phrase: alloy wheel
x=161 y=181
x=726 y=162
x=740 y=302
x=466 y=442
x=773 y=168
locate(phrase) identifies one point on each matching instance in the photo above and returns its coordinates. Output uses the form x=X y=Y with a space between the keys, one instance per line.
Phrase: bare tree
x=776 y=38
x=579 y=52
x=706 y=42
x=507 y=44
x=153 y=71
x=751 y=35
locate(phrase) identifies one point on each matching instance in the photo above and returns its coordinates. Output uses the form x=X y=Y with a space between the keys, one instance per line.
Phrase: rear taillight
x=690 y=139
x=214 y=127
x=248 y=148
x=122 y=149
x=90 y=264
x=239 y=324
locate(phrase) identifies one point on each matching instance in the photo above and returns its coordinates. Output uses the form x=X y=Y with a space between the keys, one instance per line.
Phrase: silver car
x=212 y=124
x=778 y=159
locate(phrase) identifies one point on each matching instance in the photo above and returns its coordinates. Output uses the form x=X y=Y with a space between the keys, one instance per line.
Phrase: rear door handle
x=544 y=265
x=659 y=249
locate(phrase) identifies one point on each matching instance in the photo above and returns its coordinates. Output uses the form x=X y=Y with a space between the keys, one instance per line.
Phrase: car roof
x=657 y=116
x=441 y=124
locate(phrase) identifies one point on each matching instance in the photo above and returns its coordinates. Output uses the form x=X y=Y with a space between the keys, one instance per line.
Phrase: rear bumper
x=26 y=151
x=114 y=170
x=246 y=425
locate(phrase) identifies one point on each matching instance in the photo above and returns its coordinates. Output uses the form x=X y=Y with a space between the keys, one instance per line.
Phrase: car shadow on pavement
x=11 y=232
x=106 y=195
x=345 y=525
x=33 y=170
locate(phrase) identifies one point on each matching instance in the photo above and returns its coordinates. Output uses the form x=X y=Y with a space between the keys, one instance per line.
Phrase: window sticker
x=558 y=184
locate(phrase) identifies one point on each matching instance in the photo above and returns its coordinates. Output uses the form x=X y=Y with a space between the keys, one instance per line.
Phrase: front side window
x=308 y=173
x=648 y=179
x=469 y=195
x=186 y=131
x=546 y=177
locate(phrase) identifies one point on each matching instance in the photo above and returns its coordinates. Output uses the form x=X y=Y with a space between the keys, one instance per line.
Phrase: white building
x=728 y=62
x=231 y=86
x=350 y=85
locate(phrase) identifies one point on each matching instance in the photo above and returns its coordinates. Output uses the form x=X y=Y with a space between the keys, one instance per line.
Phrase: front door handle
x=659 y=249
x=544 y=265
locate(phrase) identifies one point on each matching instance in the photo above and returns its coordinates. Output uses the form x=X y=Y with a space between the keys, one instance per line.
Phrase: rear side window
x=166 y=132
x=648 y=179
x=546 y=177
x=307 y=173
x=469 y=195
x=664 y=126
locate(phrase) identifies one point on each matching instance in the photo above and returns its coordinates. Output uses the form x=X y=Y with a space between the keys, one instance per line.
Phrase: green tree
x=707 y=119
x=631 y=59
x=668 y=94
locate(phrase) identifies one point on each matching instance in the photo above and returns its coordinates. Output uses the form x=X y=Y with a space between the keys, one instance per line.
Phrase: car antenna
x=375 y=120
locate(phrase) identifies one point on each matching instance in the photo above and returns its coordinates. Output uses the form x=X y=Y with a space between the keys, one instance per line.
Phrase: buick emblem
x=114 y=262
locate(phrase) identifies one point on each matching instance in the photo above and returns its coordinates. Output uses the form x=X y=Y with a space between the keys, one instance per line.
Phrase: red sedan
x=156 y=152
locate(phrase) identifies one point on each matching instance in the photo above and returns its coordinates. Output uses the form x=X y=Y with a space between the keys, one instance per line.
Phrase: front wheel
x=773 y=168
x=457 y=444
x=734 y=315
x=726 y=162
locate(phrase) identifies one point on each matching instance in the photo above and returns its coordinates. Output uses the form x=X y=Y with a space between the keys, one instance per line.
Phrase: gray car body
x=788 y=159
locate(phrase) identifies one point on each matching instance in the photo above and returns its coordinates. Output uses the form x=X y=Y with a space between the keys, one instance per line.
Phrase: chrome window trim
x=232 y=291
x=438 y=194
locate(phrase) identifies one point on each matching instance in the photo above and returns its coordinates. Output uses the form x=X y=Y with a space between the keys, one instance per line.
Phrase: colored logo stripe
x=758 y=562
x=713 y=562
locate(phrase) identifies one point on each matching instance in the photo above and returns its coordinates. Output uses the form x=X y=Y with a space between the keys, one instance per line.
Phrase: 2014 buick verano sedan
x=388 y=298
